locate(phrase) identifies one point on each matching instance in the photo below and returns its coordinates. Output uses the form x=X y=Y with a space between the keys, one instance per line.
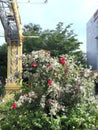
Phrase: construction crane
x=11 y=22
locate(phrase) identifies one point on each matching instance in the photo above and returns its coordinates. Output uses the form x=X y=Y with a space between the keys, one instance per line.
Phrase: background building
x=92 y=41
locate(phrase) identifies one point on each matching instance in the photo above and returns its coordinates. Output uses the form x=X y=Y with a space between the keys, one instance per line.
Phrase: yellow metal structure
x=11 y=22
x=14 y=61
x=14 y=65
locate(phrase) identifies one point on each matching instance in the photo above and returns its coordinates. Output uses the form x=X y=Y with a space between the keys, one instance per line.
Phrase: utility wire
x=44 y=2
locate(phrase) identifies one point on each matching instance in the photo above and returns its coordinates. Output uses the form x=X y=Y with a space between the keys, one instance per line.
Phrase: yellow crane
x=11 y=22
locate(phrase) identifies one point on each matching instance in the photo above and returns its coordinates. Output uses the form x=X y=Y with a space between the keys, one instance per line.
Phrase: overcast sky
x=48 y=15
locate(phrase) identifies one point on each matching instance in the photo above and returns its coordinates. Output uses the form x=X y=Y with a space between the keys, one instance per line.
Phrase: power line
x=44 y=2
x=29 y=1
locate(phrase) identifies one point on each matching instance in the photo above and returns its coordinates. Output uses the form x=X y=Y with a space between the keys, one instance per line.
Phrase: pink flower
x=34 y=65
x=65 y=69
x=50 y=101
x=49 y=82
x=49 y=67
x=25 y=94
x=14 y=105
x=62 y=60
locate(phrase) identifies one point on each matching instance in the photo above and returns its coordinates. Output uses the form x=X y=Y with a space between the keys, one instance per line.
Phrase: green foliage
x=80 y=118
x=3 y=60
x=2 y=90
x=56 y=95
x=4 y=109
x=61 y=40
x=31 y=44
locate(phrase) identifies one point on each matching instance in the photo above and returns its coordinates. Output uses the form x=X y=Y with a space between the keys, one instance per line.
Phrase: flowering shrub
x=56 y=95
x=57 y=82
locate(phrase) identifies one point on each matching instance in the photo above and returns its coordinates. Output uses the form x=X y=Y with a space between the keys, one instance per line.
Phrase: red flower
x=62 y=60
x=34 y=65
x=14 y=105
x=49 y=82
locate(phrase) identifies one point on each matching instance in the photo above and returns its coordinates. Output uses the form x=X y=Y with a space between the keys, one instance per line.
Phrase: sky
x=48 y=15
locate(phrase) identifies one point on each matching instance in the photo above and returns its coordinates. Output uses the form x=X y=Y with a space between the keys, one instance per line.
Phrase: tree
x=34 y=43
x=61 y=40
x=3 y=61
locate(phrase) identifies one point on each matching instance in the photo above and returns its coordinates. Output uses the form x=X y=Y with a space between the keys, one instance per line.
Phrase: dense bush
x=56 y=95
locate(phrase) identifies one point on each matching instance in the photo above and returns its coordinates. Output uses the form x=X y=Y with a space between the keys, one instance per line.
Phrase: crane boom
x=11 y=22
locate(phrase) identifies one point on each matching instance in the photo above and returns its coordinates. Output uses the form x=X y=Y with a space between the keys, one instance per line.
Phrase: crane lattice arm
x=10 y=20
